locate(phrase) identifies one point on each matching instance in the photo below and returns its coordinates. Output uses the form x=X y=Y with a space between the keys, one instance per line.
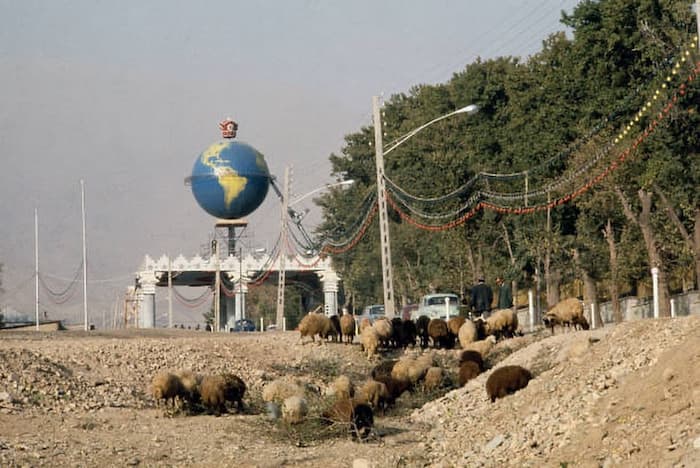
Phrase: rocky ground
x=626 y=395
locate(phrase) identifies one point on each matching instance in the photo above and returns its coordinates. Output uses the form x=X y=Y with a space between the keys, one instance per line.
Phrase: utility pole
x=170 y=294
x=385 y=245
x=283 y=250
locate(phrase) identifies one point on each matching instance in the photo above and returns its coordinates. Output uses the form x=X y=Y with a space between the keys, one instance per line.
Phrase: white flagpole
x=36 y=266
x=85 y=313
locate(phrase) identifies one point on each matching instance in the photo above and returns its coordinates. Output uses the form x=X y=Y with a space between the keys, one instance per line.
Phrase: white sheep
x=294 y=409
x=467 y=333
x=482 y=346
x=502 y=322
x=279 y=390
x=567 y=312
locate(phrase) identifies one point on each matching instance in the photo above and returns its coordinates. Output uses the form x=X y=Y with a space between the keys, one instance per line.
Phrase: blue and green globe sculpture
x=230 y=179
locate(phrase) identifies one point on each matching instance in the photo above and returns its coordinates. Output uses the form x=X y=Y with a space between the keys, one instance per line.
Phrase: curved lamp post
x=385 y=244
x=296 y=217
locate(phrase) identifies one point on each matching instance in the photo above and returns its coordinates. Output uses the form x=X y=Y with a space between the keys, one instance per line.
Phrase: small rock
x=696 y=443
x=495 y=442
x=361 y=463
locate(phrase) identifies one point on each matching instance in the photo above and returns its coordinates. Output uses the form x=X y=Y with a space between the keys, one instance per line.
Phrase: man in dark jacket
x=482 y=297
x=505 y=297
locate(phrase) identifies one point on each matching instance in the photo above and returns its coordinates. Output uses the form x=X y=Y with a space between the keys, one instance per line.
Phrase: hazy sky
x=126 y=94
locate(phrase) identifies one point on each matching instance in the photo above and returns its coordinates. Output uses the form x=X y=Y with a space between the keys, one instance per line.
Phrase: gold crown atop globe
x=228 y=128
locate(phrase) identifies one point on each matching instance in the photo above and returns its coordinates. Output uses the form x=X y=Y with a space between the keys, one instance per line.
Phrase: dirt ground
x=626 y=395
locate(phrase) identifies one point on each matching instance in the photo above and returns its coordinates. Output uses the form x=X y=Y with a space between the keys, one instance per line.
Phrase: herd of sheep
x=355 y=404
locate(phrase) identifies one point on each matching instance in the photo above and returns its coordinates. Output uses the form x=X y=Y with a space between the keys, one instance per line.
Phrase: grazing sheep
x=438 y=332
x=502 y=323
x=190 y=383
x=467 y=371
x=365 y=323
x=507 y=380
x=395 y=387
x=347 y=328
x=166 y=386
x=375 y=394
x=314 y=324
x=359 y=416
x=294 y=410
x=482 y=346
x=384 y=331
x=235 y=390
x=567 y=312
x=434 y=377
x=473 y=356
x=383 y=369
x=334 y=329
x=217 y=390
x=466 y=333
x=454 y=324
x=411 y=370
x=370 y=341
x=279 y=390
x=342 y=387
x=422 y=330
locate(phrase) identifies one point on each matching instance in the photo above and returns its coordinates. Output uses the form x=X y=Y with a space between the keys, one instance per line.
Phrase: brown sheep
x=438 y=332
x=347 y=328
x=473 y=356
x=383 y=369
x=166 y=386
x=358 y=416
x=218 y=390
x=507 y=380
x=375 y=394
x=384 y=331
x=467 y=371
x=434 y=377
x=190 y=383
x=454 y=324
x=396 y=388
x=314 y=324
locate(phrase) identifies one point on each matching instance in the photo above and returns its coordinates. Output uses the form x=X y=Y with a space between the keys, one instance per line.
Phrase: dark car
x=244 y=325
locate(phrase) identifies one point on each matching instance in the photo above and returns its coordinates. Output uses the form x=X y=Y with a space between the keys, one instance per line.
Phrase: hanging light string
x=615 y=164
x=194 y=302
x=406 y=198
x=59 y=297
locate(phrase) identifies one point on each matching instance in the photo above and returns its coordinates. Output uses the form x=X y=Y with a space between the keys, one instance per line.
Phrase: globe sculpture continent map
x=230 y=179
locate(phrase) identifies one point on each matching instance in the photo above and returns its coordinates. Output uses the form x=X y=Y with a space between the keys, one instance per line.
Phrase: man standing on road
x=482 y=297
x=505 y=297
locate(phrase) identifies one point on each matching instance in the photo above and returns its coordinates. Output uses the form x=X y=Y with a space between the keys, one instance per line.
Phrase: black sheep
x=422 y=330
x=473 y=356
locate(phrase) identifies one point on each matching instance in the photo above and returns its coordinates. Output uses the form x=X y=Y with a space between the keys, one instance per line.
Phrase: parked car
x=244 y=325
x=433 y=305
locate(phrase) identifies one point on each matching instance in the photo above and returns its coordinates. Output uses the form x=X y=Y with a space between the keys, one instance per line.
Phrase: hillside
x=623 y=395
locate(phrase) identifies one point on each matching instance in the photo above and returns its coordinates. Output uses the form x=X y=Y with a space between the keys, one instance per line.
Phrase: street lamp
x=323 y=187
x=385 y=244
x=296 y=217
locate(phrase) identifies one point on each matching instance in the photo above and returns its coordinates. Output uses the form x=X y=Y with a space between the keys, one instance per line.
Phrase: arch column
x=235 y=306
x=147 y=299
x=330 y=280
